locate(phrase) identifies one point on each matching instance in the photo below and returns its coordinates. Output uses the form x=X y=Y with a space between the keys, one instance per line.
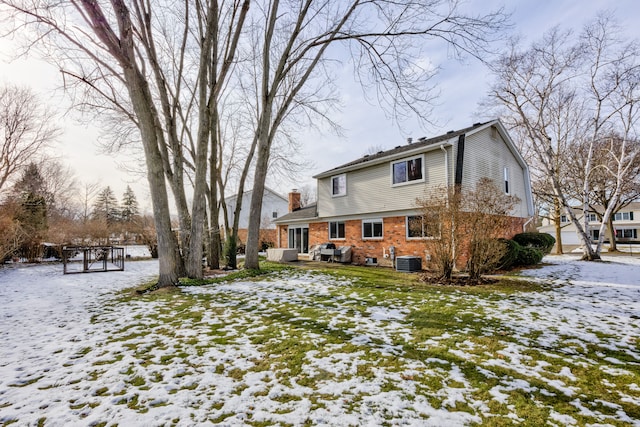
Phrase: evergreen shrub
x=542 y=241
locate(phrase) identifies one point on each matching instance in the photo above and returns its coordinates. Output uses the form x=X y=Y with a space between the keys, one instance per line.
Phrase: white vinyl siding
x=483 y=157
x=370 y=189
x=407 y=171
x=339 y=185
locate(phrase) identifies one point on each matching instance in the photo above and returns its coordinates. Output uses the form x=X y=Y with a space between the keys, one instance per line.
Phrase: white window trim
x=406 y=226
x=406 y=159
x=345 y=230
x=372 y=221
x=343 y=175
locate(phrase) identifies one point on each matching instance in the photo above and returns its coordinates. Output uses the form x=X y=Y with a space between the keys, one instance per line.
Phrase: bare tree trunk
x=253 y=237
x=613 y=246
x=167 y=243
x=557 y=222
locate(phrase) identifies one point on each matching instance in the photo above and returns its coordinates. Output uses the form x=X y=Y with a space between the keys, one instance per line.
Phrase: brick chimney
x=294 y=200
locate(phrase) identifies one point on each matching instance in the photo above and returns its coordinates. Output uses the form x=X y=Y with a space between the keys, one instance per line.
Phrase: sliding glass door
x=299 y=238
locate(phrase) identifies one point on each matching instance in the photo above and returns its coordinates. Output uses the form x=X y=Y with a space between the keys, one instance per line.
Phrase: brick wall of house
x=266 y=235
x=394 y=235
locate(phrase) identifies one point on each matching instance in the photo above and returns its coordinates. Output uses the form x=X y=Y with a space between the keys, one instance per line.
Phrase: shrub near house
x=369 y=204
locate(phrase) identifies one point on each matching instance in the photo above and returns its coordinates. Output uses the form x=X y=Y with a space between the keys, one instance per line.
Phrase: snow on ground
x=72 y=354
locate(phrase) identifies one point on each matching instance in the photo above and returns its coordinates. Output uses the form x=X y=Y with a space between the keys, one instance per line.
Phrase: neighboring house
x=368 y=203
x=626 y=224
x=274 y=205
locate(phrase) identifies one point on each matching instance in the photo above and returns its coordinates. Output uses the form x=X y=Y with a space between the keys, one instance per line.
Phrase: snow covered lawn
x=311 y=348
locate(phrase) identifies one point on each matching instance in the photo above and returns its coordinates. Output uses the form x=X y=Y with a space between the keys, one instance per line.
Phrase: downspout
x=524 y=226
x=459 y=161
x=446 y=165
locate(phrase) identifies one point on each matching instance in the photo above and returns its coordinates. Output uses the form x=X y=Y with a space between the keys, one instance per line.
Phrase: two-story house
x=368 y=203
x=626 y=226
x=274 y=205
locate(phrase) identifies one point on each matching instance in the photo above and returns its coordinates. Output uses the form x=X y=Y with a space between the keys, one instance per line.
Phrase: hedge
x=542 y=241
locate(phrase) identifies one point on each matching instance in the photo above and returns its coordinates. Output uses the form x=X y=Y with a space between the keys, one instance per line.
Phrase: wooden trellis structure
x=92 y=259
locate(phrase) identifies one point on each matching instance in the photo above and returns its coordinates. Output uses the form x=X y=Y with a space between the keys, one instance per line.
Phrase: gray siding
x=485 y=156
x=370 y=189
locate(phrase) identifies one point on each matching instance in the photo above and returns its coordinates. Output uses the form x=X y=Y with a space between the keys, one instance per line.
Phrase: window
x=506 y=180
x=627 y=233
x=336 y=230
x=407 y=171
x=372 y=229
x=274 y=214
x=419 y=227
x=339 y=185
x=563 y=218
x=623 y=216
x=592 y=217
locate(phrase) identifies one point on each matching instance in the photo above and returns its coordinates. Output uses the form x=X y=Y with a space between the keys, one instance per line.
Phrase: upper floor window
x=507 y=190
x=339 y=185
x=623 y=216
x=592 y=217
x=372 y=229
x=274 y=214
x=563 y=218
x=421 y=227
x=407 y=170
x=336 y=230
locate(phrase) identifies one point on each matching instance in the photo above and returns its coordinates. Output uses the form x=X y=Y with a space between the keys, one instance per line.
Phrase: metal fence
x=92 y=259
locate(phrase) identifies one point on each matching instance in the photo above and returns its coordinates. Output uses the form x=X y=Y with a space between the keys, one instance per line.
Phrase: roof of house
x=415 y=145
x=307 y=212
x=248 y=194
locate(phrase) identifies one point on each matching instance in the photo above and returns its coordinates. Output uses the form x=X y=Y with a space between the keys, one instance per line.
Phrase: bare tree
x=564 y=94
x=486 y=218
x=161 y=67
x=441 y=209
x=608 y=161
x=466 y=224
x=27 y=127
x=383 y=37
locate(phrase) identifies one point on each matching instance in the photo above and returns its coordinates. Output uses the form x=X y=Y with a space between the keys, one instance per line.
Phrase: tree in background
x=106 y=213
x=11 y=233
x=129 y=213
x=563 y=94
x=26 y=128
x=603 y=179
x=31 y=215
x=129 y=206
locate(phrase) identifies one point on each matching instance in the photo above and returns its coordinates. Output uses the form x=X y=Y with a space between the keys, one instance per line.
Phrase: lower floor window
x=372 y=229
x=627 y=233
x=336 y=230
x=421 y=226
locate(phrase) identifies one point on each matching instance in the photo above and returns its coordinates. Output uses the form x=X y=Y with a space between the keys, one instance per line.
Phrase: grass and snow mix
x=308 y=347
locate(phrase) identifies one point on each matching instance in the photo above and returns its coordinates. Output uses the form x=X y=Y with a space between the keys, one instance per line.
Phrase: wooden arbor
x=92 y=259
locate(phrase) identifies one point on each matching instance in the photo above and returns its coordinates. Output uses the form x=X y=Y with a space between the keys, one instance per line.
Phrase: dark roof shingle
x=422 y=142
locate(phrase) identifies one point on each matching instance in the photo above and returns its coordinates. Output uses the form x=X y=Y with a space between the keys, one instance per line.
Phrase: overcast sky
x=461 y=86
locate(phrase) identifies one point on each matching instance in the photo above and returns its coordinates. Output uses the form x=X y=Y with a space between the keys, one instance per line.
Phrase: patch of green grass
x=137 y=381
x=266 y=268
